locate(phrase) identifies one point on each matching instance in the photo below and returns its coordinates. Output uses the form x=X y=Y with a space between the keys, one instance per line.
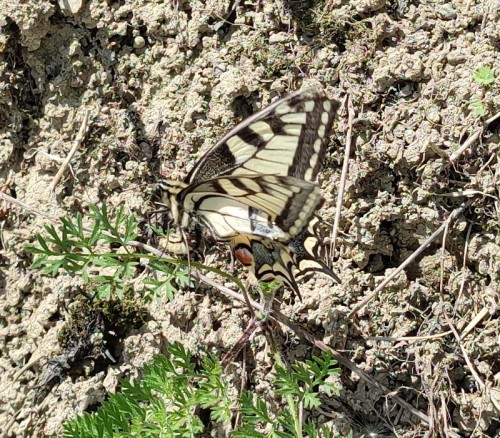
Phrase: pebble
x=139 y=42
x=446 y=12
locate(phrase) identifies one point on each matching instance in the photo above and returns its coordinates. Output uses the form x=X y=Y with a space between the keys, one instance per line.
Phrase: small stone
x=71 y=6
x=446 y=12
x=220 y=68
x=433 y=115
x=280 y=37
x=139 y=42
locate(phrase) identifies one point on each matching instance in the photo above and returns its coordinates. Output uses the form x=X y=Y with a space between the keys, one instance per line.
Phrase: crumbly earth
x=161 y=82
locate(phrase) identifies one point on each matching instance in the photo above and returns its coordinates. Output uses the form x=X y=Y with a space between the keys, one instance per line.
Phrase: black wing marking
x=309 y=252
x=266 y=260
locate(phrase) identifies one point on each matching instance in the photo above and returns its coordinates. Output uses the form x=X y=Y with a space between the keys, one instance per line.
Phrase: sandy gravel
x=161 y=82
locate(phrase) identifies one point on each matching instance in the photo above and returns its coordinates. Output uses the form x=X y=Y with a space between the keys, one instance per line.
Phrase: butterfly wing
x=293 y=131
x=308 y=252
x=254 y=186
x=272 y=207
x=267 y=260
x=287 y=138
x=297 y=260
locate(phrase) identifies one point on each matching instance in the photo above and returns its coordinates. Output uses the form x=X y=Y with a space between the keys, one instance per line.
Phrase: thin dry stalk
x=469 y=363
x=473 y=138
x=444 y=416
x=431 y=398
x=26 y=207
x=464 y=264
x=343 y=179
x=79 y=138
x=408 y=338
x=237 y=418
x=477 y=319
x=441 y=262
x=3 y=189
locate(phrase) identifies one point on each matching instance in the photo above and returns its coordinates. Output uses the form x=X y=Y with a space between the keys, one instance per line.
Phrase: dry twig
x=470 y=365
x=79 y=138
x=343 y=179
x=473 y=138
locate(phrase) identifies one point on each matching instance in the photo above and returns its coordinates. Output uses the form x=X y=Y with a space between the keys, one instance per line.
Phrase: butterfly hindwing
x=309 y=251
x=297 y=260
x=274 y=207
x=266 y=260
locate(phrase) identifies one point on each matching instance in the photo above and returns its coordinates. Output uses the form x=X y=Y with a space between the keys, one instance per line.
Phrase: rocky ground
x=160 y=83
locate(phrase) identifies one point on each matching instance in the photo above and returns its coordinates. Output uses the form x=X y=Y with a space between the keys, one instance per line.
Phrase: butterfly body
x=255 y=188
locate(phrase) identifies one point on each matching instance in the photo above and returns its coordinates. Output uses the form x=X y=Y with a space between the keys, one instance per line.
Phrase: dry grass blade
x=478 y=318
x=409 y=338
x=26 y=207
x=470 y=365
x=79 y=138
x=343 y=179
x=473 y=138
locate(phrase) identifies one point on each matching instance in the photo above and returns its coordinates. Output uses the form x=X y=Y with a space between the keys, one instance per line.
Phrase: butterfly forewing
x=287 y=138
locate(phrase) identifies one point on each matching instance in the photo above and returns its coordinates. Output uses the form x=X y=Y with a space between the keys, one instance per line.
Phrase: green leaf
x=42 y=243
x=167 y=400
x=477 y=107
x=484 y=75
x=311 y=400
x=55 y=238
x=162 y=404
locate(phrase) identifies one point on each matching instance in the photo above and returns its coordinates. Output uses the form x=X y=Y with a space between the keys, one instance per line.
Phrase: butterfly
x=255 y=188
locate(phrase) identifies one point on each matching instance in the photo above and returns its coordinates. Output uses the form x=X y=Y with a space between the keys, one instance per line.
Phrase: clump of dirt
x=161 y=82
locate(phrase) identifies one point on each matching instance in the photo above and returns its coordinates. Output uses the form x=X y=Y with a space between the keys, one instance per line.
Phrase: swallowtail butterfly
x=255 y=188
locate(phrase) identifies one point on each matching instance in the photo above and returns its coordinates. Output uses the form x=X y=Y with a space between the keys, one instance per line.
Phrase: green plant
x=477 y=107
x=166 y=402
x=484 y=75
x=300 y=387
x=101 y=253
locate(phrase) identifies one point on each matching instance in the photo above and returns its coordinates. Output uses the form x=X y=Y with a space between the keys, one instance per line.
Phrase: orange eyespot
x=244 y=255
